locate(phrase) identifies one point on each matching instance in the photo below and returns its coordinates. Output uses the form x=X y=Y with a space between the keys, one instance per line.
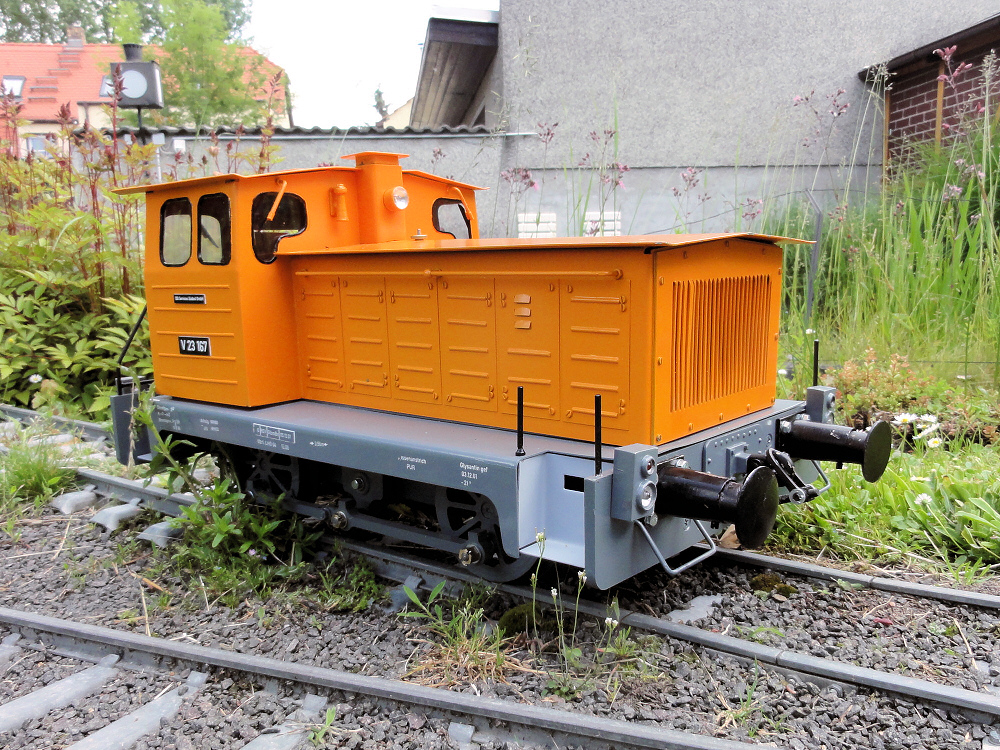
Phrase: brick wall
x=913 y=104
x=912 y=110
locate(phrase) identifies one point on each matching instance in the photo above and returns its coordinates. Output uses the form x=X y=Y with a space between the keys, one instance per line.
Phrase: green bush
x=55 y=347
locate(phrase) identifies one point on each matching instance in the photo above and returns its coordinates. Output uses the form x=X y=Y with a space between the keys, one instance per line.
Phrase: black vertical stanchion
x=815 y=361
x=520 y=421
x=597 y=434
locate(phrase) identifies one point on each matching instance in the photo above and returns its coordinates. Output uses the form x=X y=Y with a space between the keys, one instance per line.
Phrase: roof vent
x=133 y=52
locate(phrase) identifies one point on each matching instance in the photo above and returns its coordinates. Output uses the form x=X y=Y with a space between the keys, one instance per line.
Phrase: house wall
x=709 y=84
x=473 y=159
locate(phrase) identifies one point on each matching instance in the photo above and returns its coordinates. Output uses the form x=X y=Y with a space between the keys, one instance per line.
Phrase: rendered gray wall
x=706 y=84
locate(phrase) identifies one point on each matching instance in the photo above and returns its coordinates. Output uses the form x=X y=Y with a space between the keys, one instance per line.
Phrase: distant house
x=44 y=77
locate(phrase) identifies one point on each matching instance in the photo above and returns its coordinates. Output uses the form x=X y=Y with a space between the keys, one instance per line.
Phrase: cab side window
x=449 y=218
x=175 y=232
x=287 y=219
x=214 y=241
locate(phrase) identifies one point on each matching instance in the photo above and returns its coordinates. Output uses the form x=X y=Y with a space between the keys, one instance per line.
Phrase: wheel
x=265 y=476
x=470 y=516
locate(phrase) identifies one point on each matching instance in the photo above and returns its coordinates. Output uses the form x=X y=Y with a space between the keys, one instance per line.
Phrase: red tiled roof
x=57 y=74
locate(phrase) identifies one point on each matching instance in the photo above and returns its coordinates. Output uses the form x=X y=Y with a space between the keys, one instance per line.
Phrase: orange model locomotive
x=344 y=336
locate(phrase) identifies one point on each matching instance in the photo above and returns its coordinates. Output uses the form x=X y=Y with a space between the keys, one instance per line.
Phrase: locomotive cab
x=345 y=337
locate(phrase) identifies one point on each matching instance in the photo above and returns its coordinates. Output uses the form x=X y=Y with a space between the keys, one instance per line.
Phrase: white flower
x=905 y=418
x=928 y=418
x=923 y=499
x=920 y=479
x=783 y=373
x=581 y=576
x=36 y=378
x=935 y=442
x=810 y=331
x=540 y=537
x=610 y=623
x=555 y=593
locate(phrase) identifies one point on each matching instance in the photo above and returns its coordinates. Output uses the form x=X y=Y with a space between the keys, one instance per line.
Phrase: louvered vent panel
x=720 y=338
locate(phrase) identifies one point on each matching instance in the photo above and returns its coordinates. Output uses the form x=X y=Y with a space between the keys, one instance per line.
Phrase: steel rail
x=572 y=724
x=164 y=502
x=158 y=501
x=806 y=665
x=90 y=430
x=882 y=583
x=388 y=564
x=967 y=700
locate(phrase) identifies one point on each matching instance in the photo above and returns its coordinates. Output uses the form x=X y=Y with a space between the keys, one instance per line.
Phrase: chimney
x=75 y=36
x=133 y=52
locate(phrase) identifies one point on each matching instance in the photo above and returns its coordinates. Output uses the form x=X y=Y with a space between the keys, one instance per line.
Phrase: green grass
x=936 y=508
x=30 y=476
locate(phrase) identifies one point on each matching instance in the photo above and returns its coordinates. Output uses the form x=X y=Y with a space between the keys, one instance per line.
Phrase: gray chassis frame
x=533 y=494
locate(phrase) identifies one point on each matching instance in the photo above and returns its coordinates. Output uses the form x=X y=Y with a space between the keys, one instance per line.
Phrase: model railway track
x=419 y=573
x=404 y=568
x=162 y=501
x=559 y=726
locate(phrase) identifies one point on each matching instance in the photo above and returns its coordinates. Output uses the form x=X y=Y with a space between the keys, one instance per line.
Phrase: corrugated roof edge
x=369 y=130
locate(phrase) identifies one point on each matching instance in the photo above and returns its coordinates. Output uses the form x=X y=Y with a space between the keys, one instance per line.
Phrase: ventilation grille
x=720 y=338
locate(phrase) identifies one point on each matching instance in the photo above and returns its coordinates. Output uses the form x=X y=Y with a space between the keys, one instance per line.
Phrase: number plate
x=199 y=345
x=189 y=299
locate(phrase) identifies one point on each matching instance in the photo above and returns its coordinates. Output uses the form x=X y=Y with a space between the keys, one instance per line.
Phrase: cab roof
x=198 y=182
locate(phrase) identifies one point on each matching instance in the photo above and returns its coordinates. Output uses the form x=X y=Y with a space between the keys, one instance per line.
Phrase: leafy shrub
x=52 y=340
x=870 y=389
x=240 y=546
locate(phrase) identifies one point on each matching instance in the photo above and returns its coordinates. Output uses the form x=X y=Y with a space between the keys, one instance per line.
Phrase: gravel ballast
x=64 y=568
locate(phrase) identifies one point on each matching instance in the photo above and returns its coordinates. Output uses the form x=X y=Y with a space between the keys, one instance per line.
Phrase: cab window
x=449 y=218
x=213 y=229
x=289 y=219
x=175 y=232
